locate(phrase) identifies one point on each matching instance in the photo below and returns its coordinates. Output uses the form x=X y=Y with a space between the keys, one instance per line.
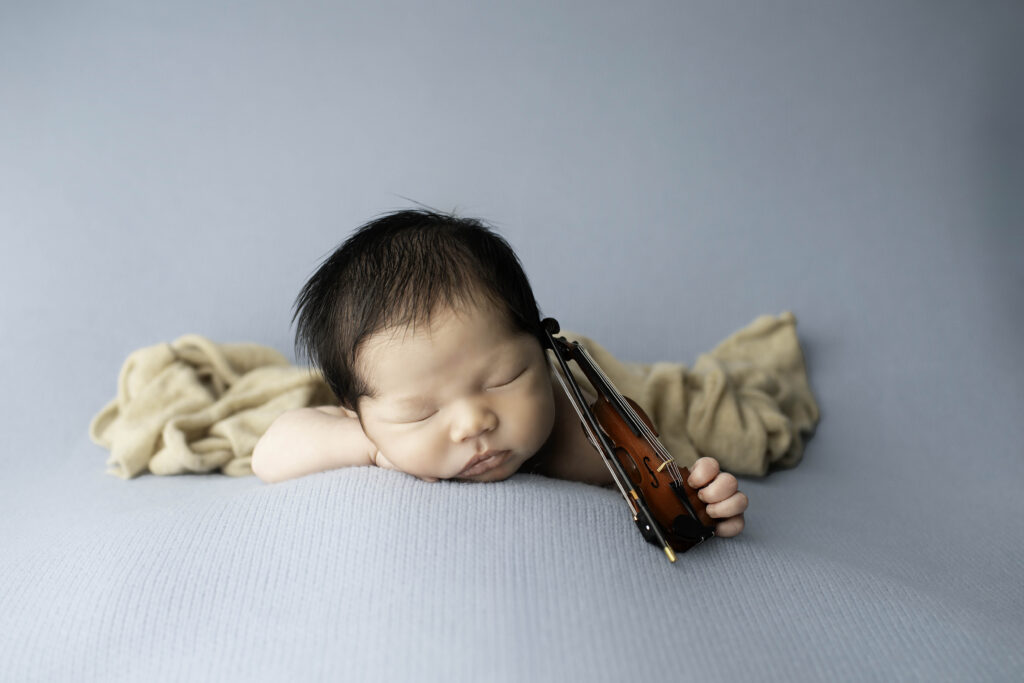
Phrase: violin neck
x=602 y=385
x=563 y=352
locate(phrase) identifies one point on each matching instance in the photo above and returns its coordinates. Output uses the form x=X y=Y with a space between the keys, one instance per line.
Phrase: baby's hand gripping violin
x=665 y=507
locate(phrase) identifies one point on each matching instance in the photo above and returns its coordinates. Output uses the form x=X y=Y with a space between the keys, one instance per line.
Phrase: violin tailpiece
x=665 y=508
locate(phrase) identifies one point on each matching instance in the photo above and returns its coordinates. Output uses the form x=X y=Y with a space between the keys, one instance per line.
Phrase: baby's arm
x=720 y=491
x=309 y=440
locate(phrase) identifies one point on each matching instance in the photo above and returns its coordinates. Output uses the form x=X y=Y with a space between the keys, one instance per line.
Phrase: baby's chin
x=499 y=473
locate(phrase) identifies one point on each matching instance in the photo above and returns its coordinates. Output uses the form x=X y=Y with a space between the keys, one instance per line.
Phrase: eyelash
x=507 y=382
x=496 y=386
x=422 y=419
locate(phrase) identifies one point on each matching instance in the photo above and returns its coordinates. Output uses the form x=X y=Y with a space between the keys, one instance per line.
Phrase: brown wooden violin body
x=673 y=502
x=665 y=507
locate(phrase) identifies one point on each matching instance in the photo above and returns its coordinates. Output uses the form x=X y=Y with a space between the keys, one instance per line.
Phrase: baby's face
x=468 y=385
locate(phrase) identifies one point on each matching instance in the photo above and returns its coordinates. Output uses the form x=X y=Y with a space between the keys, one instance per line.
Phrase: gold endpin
x=671 y=555
x=663 y=466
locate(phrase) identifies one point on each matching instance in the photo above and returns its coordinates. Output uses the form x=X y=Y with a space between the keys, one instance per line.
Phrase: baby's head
x=426 y=328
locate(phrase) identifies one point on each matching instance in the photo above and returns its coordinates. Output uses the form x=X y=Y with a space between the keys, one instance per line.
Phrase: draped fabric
x=194 y=405
x=746 y=403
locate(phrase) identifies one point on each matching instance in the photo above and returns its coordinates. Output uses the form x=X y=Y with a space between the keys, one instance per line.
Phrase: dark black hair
x=395 y=271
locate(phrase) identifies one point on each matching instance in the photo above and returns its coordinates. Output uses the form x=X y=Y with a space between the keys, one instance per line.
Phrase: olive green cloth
x=194 y=405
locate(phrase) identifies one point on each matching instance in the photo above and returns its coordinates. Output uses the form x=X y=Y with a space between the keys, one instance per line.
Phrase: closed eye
x=420 y=419
x=510 y=380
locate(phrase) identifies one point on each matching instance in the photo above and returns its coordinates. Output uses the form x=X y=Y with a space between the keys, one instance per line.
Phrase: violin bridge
x=665 y=464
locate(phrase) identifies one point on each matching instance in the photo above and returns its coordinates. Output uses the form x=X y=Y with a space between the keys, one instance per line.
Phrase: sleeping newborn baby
x=425 y=327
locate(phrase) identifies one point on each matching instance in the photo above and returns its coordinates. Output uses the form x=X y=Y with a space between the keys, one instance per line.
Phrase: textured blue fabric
x=368 y=574
x=168 y=168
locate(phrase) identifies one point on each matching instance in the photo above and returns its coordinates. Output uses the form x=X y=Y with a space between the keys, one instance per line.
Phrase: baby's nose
x=472 y=422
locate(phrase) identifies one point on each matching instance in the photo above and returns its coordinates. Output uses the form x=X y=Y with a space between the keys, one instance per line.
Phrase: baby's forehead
x=415 y=336
x=442 y=318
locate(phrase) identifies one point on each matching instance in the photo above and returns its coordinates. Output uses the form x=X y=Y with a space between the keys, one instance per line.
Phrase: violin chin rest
x=690 y=528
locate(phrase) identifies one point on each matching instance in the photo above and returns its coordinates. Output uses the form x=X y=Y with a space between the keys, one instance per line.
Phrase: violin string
x=624 y=406
x=667 y=459
x=585 y=418
x=591 y=425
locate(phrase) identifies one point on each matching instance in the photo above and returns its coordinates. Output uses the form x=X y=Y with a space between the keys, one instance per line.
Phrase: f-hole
x=654 y=477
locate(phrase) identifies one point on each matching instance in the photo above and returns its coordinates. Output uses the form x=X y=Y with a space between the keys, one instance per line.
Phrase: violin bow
x=642 y=515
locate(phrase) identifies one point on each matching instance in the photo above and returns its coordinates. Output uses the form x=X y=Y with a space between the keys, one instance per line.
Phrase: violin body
x=665 y=507
x=682 y=514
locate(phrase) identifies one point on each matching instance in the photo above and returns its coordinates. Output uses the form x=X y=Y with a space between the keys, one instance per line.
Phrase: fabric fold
x=747 y=403
x=194 y=406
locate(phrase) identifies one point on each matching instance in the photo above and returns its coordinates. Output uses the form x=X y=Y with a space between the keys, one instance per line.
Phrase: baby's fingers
x=730 y=507
x=729 y=527
x=723 y=486
x=380 y=460
x=702 y=472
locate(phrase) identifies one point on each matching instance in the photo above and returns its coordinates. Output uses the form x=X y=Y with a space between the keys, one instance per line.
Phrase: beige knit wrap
x=746 y=403
x=194 y=405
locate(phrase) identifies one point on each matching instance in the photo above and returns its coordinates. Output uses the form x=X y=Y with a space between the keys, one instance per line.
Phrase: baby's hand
x=380 y=461
x=720 y=491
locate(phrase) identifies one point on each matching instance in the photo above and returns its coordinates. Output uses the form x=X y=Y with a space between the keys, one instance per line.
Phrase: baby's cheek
x=405 y=451
x=536 y=421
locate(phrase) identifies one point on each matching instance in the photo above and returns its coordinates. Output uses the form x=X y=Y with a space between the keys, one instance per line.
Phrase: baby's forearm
x=307 y=440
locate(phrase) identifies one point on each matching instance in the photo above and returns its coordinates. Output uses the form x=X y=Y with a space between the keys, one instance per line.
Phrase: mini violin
x=665 y=507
